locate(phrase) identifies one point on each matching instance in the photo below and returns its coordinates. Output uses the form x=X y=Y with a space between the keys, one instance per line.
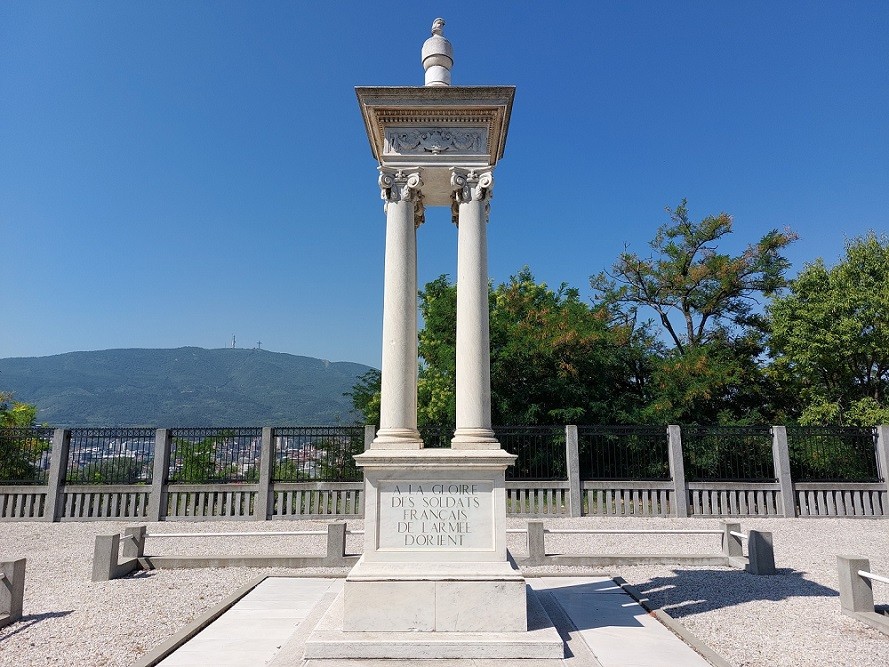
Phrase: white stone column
x=398 y=393
x=472 y=191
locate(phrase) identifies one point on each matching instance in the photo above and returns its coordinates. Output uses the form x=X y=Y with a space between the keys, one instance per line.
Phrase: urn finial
x=437 y=56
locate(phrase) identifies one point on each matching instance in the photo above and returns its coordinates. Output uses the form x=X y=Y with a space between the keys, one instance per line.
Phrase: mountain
x=188 y=386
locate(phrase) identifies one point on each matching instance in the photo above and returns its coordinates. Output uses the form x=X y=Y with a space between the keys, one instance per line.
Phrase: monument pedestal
x=435 y=580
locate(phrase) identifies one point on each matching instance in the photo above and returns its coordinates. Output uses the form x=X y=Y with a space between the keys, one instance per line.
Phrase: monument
x=436 y=579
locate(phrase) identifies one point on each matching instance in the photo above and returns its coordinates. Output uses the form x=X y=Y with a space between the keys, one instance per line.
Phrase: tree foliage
x=20 y=451
x=830 y=336
x=707 y=369
x=696 y=292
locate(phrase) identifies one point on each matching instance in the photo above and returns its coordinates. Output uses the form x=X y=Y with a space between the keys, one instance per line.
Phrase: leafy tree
x=830 y=336
x=14 y=414
x=554 y=359
x=707 y=370
x=366 y=397
x=20 y=451
x=696 y=292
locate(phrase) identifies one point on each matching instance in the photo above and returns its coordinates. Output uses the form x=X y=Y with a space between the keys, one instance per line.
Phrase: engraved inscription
x=436 y=515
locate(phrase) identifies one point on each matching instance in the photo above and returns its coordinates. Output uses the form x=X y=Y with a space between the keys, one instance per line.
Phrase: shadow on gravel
x=691 y=592
x=28 y=620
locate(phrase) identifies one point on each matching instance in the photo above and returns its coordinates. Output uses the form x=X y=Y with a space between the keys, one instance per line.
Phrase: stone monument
x=435 y=580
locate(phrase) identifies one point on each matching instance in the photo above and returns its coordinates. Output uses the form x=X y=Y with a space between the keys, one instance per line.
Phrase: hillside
x=187 y=386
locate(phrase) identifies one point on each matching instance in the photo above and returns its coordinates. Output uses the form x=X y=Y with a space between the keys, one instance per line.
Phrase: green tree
x=830 y=336
x=704 y=301
x=20 y=450
x=554 y=359
x=366 y=397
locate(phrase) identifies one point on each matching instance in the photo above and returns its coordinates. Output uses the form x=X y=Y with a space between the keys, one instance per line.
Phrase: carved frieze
x=435 y=141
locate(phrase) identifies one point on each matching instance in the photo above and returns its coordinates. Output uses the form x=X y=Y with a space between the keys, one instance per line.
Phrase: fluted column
x=398 y=394
x=472 y=190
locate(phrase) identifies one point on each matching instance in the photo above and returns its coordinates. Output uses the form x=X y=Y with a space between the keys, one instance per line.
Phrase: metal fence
x=540 y=451
x=25 y=455
x=832 y=454
x=218 y=455
x=623 y=452
x=728 y=453
x=317 y=453
x=110 y=456
x=436 y=436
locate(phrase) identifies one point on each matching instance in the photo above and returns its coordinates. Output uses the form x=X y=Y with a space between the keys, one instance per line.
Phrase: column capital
x=471 y=185
x=403 y=185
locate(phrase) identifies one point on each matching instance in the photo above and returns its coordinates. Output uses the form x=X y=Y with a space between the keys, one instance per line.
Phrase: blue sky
x=175 y=173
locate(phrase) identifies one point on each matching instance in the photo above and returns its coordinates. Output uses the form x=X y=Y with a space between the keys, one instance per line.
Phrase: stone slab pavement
x=601 y=625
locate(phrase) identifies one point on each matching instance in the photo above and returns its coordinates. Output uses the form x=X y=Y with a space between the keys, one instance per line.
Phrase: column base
x=397 y=438
x=474 y=438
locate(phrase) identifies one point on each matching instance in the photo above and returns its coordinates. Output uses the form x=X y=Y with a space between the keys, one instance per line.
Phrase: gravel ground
x=792 y=618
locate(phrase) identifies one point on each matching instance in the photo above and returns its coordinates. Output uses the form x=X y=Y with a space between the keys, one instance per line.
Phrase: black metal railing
x=110 y=456
x=728 y=453
x=623 y=452
x=832 y=454
x=215 y=455
x=436 y=436
x=317 y=453
x=540 y=451
x=25 y=455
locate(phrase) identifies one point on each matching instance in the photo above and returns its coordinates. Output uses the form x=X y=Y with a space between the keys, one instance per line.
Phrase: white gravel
x=792 y=618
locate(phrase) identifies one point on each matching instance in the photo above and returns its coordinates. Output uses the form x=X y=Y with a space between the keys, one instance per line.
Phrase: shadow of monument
x=28 y=620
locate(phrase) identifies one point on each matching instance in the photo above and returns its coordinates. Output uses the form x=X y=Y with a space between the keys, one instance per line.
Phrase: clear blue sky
x=175 y=173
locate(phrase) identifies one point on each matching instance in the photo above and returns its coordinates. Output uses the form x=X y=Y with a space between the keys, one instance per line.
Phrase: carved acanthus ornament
x=470 y=185
x=401 y=186
x=435 y=141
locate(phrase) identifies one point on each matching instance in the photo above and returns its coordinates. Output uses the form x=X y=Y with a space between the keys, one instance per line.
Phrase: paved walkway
x=602 y=627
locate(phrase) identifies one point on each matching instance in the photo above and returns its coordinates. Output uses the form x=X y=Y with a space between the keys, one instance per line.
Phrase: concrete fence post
x=264 y=500
x=336 y=544
x=883 y=454
x=760 y=552
x=856 y=592
x=575 y=491
x=12 y=590
x=677 y=472
x=160 y=471
x=105 y=557
x=536 y=547
x=58 y=469
x=781 y=458
x=370 y=432
x=133 y=545
x=106 y=563
x=731 y=544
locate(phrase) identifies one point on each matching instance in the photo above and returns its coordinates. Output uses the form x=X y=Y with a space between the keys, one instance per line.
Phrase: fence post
x=58 y=468
x=781 y=457
x=731 y=544
x=12 y=590
x=575 y=492
x=336 y=544
x=883 y=454
x=266 y=469
x=157 y=502
x=133 y=544
x=760 y=553
x=856 y=593
x=677 y=472
x=370 y=432
x=536 y=547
